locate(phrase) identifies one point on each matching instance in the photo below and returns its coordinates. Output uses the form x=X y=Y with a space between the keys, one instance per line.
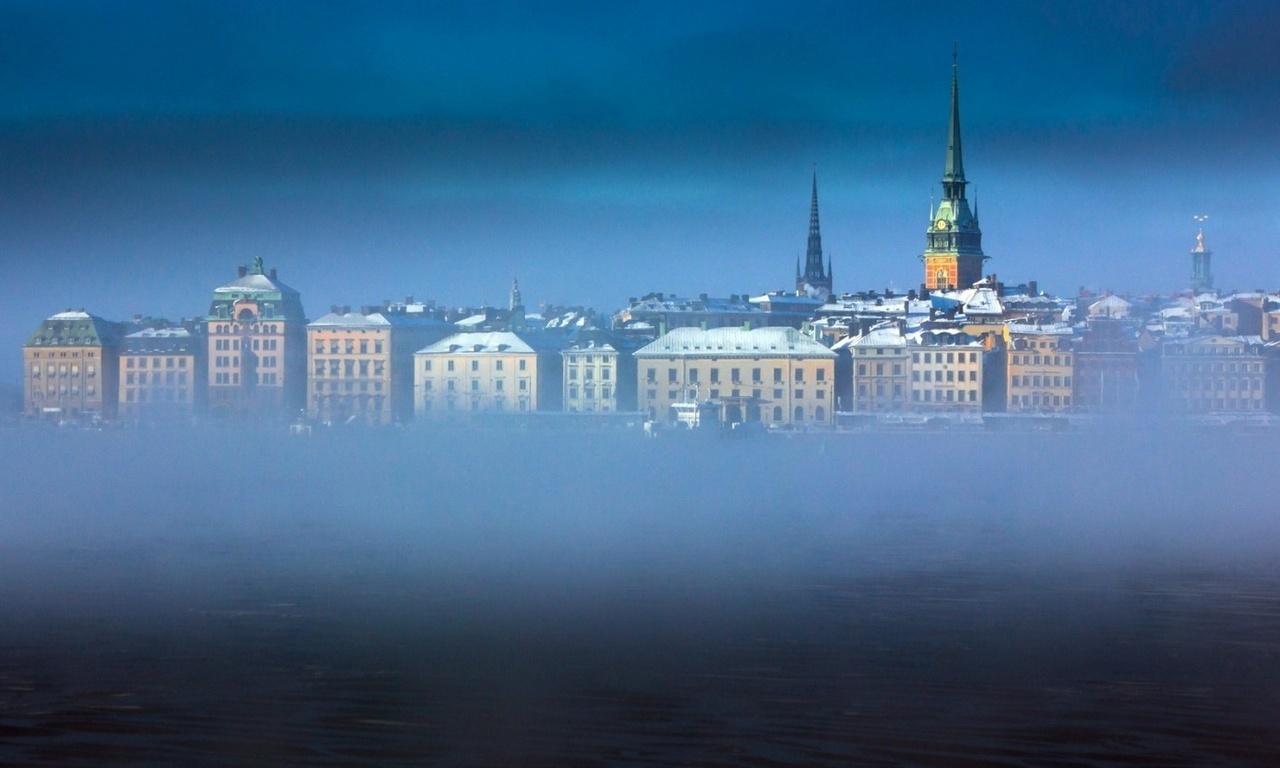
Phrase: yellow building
x=499 y=371
x=946 y=372
x=360 y=364
x=1040 y=368
x=777 y=376
x=599 y=373
x=256 y=337
x=71 y=367
x=161 y=375
x=1214 y=373
x=881 y=368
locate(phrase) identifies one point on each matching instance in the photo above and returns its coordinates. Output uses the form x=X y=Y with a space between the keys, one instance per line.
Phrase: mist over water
x=489 y=597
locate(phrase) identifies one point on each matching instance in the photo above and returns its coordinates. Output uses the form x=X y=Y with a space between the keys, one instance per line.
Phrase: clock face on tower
x=941 y=224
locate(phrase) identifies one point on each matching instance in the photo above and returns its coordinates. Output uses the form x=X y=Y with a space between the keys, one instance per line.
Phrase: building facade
x=946 y=372
x=953 y=254
x=256 y=348
x=1106 y=367
x=162 y=374
x=71 y=367
x=775 y=376
x=1040 y=369
x=360 y=364
x=599 y=373
x=1214 y=374
x=881 y=369
x=488 y=372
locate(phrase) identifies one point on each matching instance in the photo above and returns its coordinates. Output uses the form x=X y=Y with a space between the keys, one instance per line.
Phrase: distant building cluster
x=963 y=345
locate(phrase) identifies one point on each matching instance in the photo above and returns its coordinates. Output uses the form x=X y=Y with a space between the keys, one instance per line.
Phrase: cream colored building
x=500 y=371
x=946 y=372
x=161 y=375
x=1040 y=368
x=881 y=366
x=360 y=364
x=599 y=373
x=777 y=376
x=70 y=367
x=256 y=336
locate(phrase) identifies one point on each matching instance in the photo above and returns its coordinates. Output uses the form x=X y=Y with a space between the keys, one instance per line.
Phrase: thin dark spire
x=954 y=171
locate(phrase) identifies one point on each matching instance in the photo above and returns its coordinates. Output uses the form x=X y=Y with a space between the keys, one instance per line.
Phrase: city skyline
x=149 y=150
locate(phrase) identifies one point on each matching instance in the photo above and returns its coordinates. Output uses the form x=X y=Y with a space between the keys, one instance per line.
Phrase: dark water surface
x=561 y=600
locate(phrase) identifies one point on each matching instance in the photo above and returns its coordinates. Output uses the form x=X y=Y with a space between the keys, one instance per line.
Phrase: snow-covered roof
x=734 y=342
x=254 y=283
x=1050 y=329
x=492 y=342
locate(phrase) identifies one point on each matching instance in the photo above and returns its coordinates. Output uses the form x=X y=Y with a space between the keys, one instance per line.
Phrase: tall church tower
x=814 y=280
x=953 y=252
x=1201 y=270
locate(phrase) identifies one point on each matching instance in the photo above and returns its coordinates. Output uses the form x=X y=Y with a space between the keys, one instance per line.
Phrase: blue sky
x=373 y=150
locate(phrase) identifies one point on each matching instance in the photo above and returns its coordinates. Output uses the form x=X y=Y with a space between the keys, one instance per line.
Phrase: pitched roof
x=734 y=342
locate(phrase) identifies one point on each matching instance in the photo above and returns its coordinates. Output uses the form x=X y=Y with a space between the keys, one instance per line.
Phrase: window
x=651 y=375
x=475 y=365
x=449 y=365
x=671 y=375
x=522 y=366
x=777 y=375
x=497 y=365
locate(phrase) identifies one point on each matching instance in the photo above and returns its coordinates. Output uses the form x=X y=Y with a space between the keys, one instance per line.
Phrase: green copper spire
x=953 y=175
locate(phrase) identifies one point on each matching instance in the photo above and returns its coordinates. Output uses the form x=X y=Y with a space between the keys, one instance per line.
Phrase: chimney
x=368 y=310
x=408 y=299
x=335 y=309
x=273 y=273
x=243 y=270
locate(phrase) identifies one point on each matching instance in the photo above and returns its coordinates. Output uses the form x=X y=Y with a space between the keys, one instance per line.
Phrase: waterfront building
x=360 y=364
x=256 y=347
x=1106 y=366
x=71 y=367
x=490 y=371
x=946 y=371
x=1214 y=373
x=815 y=279
x=599 y=373
x=953 y=254
x=162 y=374
x=776 y=376
x=1040 y=368
x=881 y=368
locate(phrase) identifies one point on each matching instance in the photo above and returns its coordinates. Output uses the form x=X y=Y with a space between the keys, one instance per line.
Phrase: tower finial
x=953 y=173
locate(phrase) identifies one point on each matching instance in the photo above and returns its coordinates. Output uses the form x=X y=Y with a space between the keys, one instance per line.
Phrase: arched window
x=799 y=413
x=819 y=414
x=941 y=277
x=777 y=413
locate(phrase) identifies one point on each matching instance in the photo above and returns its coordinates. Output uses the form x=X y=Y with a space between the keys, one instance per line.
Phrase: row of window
x=348 y=346
x=951 y=396
x=589 y=392
x=234 y=378
x=588 y=374
x=715 y=394
x=499 y=385
x=233 y=361
x=1221 y=385
x=348 y=386
x=234 y=344
x=141 y=362
x=74 y=391
x=349 y=368
x=475 y=365
x=1215 y=367
x=1035 y=381
x=673 y=374
x=251 y=327
x=951 y=357
x=155 y=395
x=169 y=377
x=90 y=371
x=499 y=403
x=1039 y=400
x=1040 y=359
x=950 y=376
x=63 y=354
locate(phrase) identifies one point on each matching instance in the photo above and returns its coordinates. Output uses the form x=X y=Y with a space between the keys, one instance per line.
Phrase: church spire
x=816 y=276
x=953 y=174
